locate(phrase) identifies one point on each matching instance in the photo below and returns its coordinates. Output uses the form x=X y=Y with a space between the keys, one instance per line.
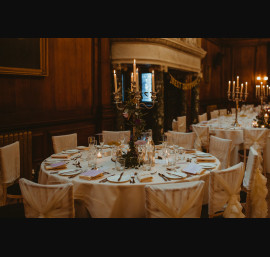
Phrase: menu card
x=193 y=168
x=91 y=174
x=57 y=165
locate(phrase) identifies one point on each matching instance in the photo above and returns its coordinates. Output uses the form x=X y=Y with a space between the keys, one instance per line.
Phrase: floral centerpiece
x=262 y=119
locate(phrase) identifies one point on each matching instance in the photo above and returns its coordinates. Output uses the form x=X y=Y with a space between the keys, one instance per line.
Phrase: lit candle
x=99 y=155
x=229 y=88
x=261 y=89
x=134 y=70
x=132 y=78
x=137 y=80
x=237 y=83
x=153 y=81
x=115 y=82
x=267 y=90
x=242 y=85
x=246 y=87
x=233 y=88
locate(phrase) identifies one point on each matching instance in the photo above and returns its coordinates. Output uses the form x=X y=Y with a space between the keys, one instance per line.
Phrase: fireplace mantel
x=180 y=53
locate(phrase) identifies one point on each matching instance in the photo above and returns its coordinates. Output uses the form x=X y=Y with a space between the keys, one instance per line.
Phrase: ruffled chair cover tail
x=110 y=137
x=177 y=200
x=224 y=191
x=65 y=142
x=47 y=201
x=221 y=148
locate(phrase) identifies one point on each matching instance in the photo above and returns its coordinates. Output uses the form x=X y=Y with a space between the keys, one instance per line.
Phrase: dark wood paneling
x=75 y=97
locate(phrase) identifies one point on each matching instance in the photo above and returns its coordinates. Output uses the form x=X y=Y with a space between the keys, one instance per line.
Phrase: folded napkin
x=113 y=143
x=206 y=159
x=144 y=177
x=193 y=168
x=57 y=165
x=82 y=147
x=91 y=174
x=64 y=156
x=190 y=150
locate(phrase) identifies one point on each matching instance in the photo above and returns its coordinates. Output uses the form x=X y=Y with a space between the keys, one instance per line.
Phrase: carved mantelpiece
x=180 y=53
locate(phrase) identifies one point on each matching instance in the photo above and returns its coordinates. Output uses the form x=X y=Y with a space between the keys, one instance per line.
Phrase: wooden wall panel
x=70 y=99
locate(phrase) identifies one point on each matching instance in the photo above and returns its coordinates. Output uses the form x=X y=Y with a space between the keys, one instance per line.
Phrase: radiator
x=25 y=139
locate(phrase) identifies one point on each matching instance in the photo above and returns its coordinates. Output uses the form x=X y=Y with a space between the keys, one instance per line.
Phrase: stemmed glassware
x=92 y=157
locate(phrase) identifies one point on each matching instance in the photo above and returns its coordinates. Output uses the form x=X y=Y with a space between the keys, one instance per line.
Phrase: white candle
x=246 y=87
x=242 y=85
x=137 y=80
x=115 y=82
x=134 y=70
x=132 y=79
x=229 y=88
x=99 y=155
x=233 y=87
x=237 y=83
x=267 y=90
x=153 y=81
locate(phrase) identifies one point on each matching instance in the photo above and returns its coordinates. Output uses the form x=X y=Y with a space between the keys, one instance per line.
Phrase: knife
x=120 y=176
x=163 y=177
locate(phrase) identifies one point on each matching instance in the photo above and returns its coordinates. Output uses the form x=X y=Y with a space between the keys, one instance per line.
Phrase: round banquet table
x=117 y=200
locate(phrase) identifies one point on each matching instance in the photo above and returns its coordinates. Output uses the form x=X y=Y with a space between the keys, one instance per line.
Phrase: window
x=146 y=87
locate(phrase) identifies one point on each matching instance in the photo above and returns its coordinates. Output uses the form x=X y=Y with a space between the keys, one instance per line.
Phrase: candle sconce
x=237 y=95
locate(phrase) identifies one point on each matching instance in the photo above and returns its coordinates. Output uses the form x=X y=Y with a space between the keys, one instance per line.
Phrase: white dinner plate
x=207 y=165
x=203 y=155
x=71 y=151
x=69 y=172
x=115 y=178
x=178 y=175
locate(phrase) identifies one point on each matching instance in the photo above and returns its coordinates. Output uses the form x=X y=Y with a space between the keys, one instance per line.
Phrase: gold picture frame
x=24 y=56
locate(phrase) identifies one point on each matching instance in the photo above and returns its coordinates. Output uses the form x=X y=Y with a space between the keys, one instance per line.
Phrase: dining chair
x=185 y=140
x=233 y=110
x=10 y=172
x=174 y=125
x=221 y=149
x=182 y=124
x=224 y=192
x=223 y=112
x=176 y=200
x=254 y=188
x=64 y=142
x=111 y=137
x=214 y=114
x=202 y=137
x=47 y=201
x=256 y=137
x=202 y=117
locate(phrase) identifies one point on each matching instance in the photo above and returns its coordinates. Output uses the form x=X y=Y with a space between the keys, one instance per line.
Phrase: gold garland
x=184 y=86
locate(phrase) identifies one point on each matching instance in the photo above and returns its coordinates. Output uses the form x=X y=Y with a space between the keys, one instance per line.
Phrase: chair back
x=202 y=117
x=176 y=200
x=174 y=125
x=224 y=191
x=255 y=137
x=182 y=139
x=47 y=201
x=10 y=163
x=114 y=136
x=214 y=114
x=202 y=136
x=64 y=142
x=221 y=149
x=181 y=124
x=223 y=112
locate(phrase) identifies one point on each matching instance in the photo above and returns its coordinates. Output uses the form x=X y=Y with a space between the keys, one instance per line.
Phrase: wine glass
x=101 y=141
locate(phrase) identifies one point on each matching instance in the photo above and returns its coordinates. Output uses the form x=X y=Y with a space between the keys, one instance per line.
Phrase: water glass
x=92 y=160
x=147 y=161
x=171 y=158
x=120 y=163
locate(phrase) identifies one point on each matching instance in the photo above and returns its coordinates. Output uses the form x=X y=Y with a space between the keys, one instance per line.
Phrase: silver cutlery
x=120 y=176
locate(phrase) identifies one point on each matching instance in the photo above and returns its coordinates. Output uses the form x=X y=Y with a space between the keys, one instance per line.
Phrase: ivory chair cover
x=47 y=201
x=64 y=142
x=185 y=140
x=174 y=125
x=254 y=184
x=233 y=110
x=176 y=200
x=202 y=137
x=222 y=112
x=214 y=114
x=224 y=192
x=202 y=117
x=257 y=138
x=221 y=148
x=9 y=168
x=114 y=136
x=181 y=122
x=236 y=135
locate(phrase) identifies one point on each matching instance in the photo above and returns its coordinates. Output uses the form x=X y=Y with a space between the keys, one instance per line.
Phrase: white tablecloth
x=222 y=126
x=116 y=200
